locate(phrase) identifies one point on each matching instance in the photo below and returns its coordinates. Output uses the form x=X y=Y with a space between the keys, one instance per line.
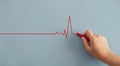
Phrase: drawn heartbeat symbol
x=64 y=33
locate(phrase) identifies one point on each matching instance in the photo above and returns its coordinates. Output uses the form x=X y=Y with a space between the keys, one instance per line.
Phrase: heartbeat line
x=64 y=33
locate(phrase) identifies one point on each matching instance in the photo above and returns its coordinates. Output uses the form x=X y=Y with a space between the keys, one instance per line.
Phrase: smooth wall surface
x=101 y=16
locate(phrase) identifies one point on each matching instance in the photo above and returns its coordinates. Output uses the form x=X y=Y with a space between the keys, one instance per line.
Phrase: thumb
x=86 y=44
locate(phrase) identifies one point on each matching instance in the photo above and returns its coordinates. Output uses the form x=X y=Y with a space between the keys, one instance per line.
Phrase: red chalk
x=81 y=35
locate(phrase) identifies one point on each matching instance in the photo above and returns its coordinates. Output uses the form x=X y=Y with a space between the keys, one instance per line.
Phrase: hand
x=97 y=46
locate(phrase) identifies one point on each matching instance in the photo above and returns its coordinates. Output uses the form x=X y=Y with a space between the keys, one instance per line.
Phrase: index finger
x=89 y=33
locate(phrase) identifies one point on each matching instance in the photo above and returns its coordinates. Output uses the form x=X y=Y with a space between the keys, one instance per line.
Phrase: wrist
x=111 y=59
x=107 y=58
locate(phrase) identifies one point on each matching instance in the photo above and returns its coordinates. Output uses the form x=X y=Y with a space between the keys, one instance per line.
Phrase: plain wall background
x=101 y=16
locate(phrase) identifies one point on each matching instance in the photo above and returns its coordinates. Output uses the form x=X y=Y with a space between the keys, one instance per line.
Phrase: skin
x=98 y=48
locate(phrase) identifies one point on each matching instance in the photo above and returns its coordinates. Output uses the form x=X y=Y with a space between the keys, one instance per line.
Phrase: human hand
x=97 y=46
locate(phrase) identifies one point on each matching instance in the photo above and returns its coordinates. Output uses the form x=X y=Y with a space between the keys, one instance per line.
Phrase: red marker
x=81 y=35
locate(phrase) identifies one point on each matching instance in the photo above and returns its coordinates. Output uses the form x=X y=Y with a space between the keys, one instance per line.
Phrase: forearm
x=112 y=59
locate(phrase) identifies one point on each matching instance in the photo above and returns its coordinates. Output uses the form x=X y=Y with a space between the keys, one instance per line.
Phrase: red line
x=65 y=33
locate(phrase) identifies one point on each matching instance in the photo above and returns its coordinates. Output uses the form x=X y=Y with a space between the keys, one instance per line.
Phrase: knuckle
x=104 y=37
x=94 y=41
x=88 y=30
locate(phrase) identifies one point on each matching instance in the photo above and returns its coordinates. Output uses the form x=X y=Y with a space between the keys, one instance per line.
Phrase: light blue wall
x=102 y=16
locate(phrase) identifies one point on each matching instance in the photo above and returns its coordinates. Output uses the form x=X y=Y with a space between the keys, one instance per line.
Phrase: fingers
x=86 y=44
x=89 y=34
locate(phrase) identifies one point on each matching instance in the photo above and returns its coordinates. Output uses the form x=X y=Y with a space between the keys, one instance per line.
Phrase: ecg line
x=64 y=33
